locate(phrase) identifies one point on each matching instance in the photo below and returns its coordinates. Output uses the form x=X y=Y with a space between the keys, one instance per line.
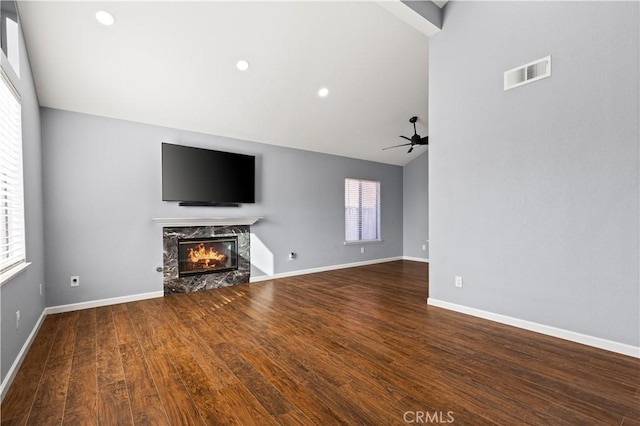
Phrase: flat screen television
x=204 y=177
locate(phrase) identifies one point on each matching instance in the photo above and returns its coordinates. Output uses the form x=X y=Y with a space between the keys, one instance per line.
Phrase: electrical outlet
x=75 y=281
x=292 y=256
x=17 y=320
x=458 y=281
x=424 y=247
x=361 y=249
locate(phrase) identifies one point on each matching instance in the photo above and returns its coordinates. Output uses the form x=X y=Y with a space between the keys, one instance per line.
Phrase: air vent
x=528 y=73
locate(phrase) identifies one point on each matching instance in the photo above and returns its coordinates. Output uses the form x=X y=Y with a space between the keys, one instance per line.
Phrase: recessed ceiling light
x=105 y=18
x=323 y=92
x=242 y=65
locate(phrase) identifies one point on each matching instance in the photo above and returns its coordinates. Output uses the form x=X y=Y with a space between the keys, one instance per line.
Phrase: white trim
x=102 y=302
x=205 y=221
x=416 y=259
x=8 y=379
x=8 y=275
x=572 y=336
x=323 y=269
x=5 y=76
x=358 y=242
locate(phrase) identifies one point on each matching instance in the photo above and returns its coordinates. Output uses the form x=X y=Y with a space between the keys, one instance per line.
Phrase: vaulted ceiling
x=174 y=64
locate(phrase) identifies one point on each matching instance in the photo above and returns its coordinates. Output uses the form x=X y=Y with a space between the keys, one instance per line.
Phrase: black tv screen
x=203 y=176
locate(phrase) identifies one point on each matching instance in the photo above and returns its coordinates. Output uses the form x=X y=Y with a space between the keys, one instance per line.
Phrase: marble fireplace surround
x=175 y=228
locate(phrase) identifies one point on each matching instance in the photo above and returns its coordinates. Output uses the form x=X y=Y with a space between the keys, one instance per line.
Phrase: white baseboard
x=8 y=379
x=102 y=302
x=572 y=336
x=322 y=269
x=416 y=259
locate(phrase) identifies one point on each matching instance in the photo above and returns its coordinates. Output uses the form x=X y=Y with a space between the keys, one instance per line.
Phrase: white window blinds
x=361 y=210
x=12 y=231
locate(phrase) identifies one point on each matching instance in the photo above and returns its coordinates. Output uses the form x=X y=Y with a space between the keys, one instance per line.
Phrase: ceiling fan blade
x=396 y=146
x=424 y=141
x=404 y=137
x=410 y=149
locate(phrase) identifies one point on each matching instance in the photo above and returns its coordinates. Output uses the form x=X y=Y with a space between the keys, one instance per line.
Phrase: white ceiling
x=173 y=64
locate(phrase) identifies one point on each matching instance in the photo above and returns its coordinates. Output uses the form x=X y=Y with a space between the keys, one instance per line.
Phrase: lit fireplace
x=207 y=255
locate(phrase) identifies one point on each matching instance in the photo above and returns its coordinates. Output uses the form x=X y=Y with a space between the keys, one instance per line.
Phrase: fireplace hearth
x=207 y=255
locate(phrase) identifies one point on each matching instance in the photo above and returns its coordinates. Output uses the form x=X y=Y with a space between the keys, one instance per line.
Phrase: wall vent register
x=528 y=73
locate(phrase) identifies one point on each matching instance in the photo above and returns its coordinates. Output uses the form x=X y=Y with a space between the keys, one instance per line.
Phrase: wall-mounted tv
x=204 y=177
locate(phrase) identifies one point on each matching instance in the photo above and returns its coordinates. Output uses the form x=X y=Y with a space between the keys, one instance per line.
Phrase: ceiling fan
x=414 y=140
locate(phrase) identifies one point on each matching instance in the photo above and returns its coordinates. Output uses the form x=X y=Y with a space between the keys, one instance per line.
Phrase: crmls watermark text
x=428 y=417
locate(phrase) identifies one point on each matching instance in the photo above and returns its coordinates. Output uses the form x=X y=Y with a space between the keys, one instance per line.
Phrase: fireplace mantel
x=205 y=221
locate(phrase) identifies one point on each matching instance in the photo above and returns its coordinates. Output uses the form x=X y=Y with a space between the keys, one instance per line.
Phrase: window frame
x=10 y=266
x=10 y=40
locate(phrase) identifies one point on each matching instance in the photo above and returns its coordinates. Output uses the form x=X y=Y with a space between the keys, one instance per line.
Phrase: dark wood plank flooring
x=355 y=346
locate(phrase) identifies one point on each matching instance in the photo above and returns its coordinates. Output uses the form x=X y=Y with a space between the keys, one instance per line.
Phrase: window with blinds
x=361 y=210
x=12 y=230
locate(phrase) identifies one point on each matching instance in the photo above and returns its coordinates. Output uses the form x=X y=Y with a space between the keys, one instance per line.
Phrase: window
x=361 y=210
x=9 y=33
x=12 y=232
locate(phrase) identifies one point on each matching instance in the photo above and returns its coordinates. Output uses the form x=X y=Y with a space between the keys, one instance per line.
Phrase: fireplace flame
x=203 y=257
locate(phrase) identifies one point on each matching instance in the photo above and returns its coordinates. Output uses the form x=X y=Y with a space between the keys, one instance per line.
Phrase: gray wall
x=22 y=293
x=415 y=212
x=103 y=186
x=534 y=191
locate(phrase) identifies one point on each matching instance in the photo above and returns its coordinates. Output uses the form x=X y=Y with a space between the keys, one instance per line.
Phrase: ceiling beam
x=423 y=15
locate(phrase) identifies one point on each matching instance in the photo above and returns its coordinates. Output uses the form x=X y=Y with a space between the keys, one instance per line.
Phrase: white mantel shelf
x=205 y=221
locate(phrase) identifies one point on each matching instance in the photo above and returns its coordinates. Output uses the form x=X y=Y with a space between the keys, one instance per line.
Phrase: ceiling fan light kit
x=413 y=140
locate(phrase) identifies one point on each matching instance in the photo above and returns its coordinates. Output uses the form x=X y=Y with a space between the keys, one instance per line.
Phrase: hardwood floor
x=354 y=346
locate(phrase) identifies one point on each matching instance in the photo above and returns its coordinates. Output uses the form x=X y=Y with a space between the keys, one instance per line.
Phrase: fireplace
x=198 y=256
x=232 y=241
